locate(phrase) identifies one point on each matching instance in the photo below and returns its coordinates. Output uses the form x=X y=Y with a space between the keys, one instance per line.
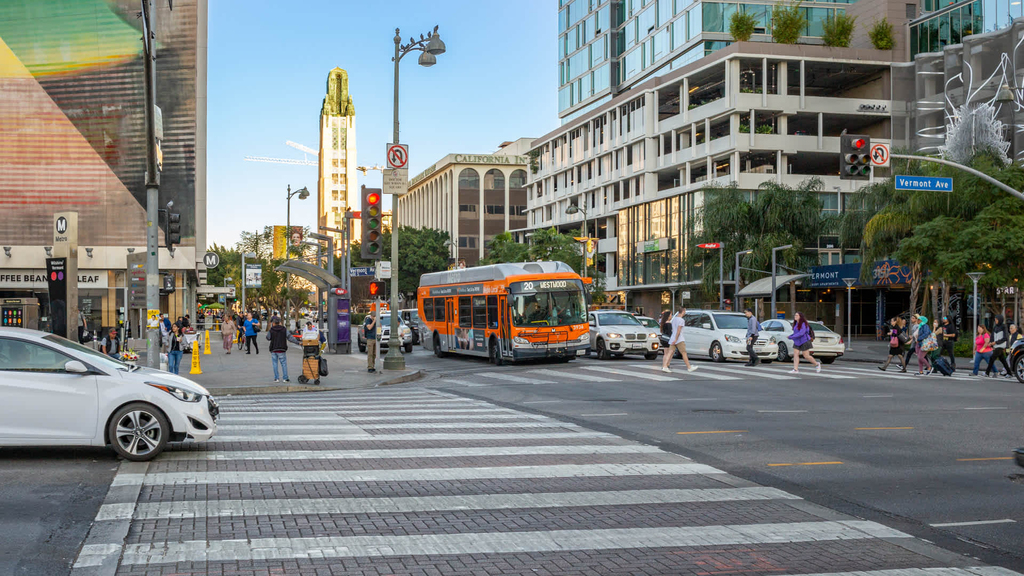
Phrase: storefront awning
x=320 y=278
x=762 y=288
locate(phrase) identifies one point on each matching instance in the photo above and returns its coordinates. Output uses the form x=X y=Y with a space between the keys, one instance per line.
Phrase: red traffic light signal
x=373 y=198
x=377 y=288
x=859 y=143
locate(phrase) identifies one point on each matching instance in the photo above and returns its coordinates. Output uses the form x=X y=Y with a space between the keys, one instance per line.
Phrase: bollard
x=195 y=362
x=206 y=343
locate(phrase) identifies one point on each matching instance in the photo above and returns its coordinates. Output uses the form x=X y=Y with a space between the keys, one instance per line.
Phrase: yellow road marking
x=805 y=463
x=888 y=428
x=714 y=432
x=983 y=459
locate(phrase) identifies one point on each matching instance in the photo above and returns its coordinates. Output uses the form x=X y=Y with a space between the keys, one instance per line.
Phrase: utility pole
x=152 y=189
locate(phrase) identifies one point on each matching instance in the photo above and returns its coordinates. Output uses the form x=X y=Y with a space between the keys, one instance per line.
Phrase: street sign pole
x=152 y=189
x=394 y=359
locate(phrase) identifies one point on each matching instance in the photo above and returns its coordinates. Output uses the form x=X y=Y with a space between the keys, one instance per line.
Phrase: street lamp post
x=303 y=194
x=429 y=46
x=774 y=251
x=849 y=312
x=244 y=256
x=975 y=276
x=575 y=209
x=736 y=296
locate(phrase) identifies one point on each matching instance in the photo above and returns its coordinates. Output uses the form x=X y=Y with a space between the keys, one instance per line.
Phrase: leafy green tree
x=504 y=248
x=788 y=23
x=551 y=245
x=838 y=30
x=741 y=26
x=420 y=251
x=881 y=35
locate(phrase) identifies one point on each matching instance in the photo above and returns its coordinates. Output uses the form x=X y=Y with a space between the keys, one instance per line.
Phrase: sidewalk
x=866 y=350
x=239 y=373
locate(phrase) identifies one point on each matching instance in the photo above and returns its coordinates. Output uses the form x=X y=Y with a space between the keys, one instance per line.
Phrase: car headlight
x=520 y=340
x=653 y=335
x=179 y=393
x=614 y=335
x=733 y=339
x=585 y=338
x=772 y=339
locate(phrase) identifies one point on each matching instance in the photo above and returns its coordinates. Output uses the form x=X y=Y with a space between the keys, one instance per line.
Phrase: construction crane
x=365 y=169
x=304 y=162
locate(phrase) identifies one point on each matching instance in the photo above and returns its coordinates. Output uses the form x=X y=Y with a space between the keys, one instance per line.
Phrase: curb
x=411 y=376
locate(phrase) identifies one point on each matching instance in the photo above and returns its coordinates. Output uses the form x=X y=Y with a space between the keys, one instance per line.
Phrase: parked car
x=57 y=392
x=411 y=317
x=385 y=335
x=1016 y=360
x=826 y=346
x=722 y=335
x=615 y=333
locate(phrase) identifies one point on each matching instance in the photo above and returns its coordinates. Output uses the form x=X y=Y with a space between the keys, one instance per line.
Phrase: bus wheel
x=495 y=353
x=437 y=346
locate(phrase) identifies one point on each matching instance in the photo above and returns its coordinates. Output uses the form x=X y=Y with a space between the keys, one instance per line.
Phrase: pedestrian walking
x=370 y=335
x=999 y=337
x=677 y=342
x=895 y=346
x=803 y=341
x=165 y=332
x=228 y=329
x=666 y=324
x=923 y=333
x=949 y=336
x=753 y=329
x=1012 y=337
x=982 y=349
x=278 y=336
x=912 y=328
x=174 y=349
x=251 y=329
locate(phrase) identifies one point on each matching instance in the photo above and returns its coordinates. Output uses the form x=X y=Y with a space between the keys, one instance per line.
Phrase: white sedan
x=58 y=393
x=827 y=345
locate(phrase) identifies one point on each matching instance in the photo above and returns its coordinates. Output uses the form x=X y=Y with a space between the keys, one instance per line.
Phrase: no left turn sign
x=398 y=156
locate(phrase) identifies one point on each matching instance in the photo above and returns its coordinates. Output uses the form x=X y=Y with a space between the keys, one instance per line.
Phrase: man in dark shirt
x=370 y=334
x=949 y=336
x=110 y=345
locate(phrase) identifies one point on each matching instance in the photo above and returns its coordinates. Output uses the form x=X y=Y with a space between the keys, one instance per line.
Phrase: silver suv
x=615 y=333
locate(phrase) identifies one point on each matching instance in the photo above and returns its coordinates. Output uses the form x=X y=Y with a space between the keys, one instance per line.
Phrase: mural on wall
x=72 y=117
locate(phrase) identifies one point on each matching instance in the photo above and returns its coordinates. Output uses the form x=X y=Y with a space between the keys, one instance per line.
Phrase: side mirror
x=706 y=326
x=75 y=367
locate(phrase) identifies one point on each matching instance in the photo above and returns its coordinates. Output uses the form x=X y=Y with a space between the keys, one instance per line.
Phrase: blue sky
x=268 y=65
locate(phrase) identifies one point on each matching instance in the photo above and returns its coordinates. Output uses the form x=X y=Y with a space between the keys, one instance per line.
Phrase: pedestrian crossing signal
x=377 y=288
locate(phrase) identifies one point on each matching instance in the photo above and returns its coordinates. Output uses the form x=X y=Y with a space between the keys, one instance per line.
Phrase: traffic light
x=172 y=225
x=371 y=218
x=855 y=157
x=378 y=288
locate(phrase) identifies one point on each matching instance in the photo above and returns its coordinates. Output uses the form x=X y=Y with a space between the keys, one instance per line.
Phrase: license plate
x=581 y=352
x=636 y=346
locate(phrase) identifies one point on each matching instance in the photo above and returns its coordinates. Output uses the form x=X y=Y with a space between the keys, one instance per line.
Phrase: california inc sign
x=500 y=159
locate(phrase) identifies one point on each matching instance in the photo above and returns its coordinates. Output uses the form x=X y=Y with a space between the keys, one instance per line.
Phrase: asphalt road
x=911 y=452
x=48 y=499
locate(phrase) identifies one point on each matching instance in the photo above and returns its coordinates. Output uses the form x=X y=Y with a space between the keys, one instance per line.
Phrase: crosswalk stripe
x=707 y=375
x=521 y=415
x=289 y=425
x=807 y=370
x=334 y=406
x=460 y=424
x=868 y=372
x=501 y=542
x=570 y=375
x=316 y=398
x=397 y=453
x=630 y=373
x=414 y=474
x=464 y=383
x=425 y=437
x=316 y=506
x=743 y=371
x=468 y=410
x=516 y=379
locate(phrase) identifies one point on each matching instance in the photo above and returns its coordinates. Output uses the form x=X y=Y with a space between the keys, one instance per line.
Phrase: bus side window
x=439 y=309
x=492 y=312
x=479 y=312
x=465 y=312
x=428 y=309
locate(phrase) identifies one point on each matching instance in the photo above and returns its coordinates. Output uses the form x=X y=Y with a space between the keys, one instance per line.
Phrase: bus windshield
x=554 y=308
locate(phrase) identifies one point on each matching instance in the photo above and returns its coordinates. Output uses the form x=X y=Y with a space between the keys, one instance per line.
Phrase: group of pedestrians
x=934 y=344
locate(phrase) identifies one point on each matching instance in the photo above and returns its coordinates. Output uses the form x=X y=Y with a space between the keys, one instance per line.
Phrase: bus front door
x=450 y=324
x=504 y=338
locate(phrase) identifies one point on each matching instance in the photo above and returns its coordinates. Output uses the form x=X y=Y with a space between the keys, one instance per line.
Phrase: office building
x=748 y=113
x=72 y=127
x=336 y=185
x=473 y=197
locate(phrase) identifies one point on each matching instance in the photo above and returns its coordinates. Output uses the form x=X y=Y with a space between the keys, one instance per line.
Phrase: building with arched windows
x=473 y=197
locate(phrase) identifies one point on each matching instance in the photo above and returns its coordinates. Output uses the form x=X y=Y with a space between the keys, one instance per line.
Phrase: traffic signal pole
x=153 y=340
x=394 y=359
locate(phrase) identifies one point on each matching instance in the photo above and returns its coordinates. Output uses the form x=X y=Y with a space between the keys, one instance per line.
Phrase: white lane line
x=316 y=506
x=417 y=417
x=974 y=523
x=696 y=399
x=414 y=474
x=219 y=455
x=782 y=411
x=297 y=425
x=630 y=373
x=498 y=543
x=516 y=379
x=464 y=383
x=878 y=396
x=436 y=425
x=406 y=437
x=543 y=402
x=682 y=371
x=571 y=376
x=334 y=407
x=988 y=408
x=314 y=399
x=613 y=414
x=349 y=413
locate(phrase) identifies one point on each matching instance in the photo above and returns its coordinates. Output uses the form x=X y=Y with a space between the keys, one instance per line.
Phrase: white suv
x=723 y=335
x=614 y=332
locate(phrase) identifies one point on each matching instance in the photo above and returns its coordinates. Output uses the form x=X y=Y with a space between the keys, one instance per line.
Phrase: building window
x=467 y=207
x=495 y=209
x=467 y=241
x=334 y=162
x=334 y=195
x=334 y=178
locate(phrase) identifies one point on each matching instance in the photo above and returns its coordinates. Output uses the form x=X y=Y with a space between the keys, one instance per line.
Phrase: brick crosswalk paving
x=415 y=481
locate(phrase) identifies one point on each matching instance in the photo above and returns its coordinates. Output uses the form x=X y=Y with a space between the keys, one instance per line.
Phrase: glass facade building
x=946 y=23
x=606 y=47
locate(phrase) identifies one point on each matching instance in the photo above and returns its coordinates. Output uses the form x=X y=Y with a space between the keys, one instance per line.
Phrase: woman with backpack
x=923 y=334
x=999 y=337
x=803 y=341
x=895 y=347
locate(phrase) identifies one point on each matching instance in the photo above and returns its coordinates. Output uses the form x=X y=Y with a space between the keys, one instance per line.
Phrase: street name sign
x=361 y=271
x=926 y=183
x=396 y=181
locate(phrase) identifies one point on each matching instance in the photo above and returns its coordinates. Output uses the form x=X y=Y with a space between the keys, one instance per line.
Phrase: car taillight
x=840 y=339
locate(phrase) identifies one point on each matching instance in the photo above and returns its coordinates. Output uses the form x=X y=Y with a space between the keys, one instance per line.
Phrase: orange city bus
x=505 y=312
